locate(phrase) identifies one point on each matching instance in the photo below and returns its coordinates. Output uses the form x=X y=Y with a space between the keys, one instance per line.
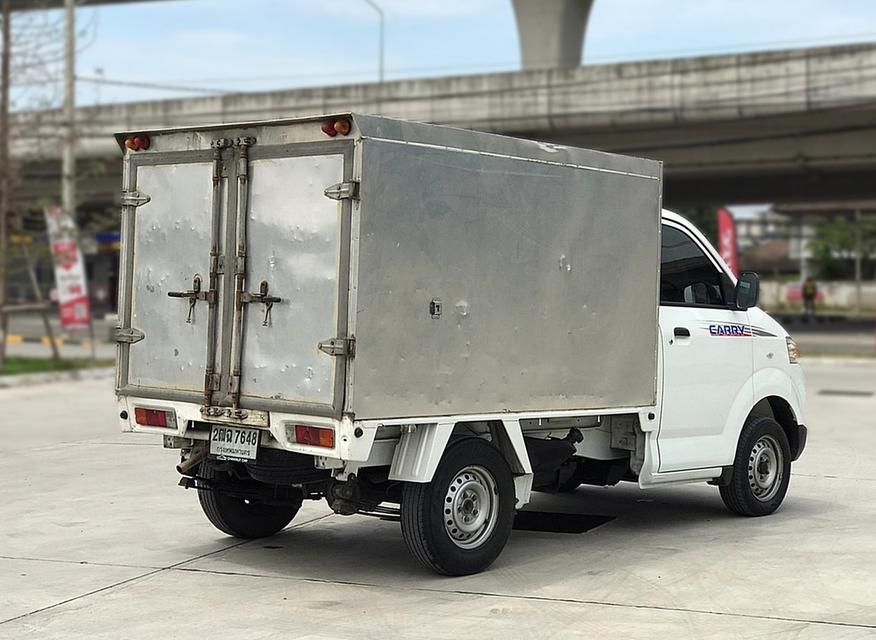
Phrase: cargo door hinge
x=127 y=335
x=134 y=198
x=343 y=191
x=212 y=381
x=339 y=347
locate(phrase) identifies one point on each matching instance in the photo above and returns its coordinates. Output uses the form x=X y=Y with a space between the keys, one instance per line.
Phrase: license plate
x=234 y=443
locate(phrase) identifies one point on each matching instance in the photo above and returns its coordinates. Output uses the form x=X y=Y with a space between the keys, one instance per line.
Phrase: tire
x=458 y=523
x=761 y=470
x=239 y=517
x=569 y=485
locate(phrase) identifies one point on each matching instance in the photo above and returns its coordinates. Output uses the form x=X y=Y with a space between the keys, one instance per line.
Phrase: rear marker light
x=314 y=436
x=334 y=127
x=140 y=142
x=154 y=418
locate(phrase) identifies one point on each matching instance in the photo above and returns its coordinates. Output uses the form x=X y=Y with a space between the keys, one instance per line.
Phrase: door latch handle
x=194 y=294
x=682 y=332
x=263 y=297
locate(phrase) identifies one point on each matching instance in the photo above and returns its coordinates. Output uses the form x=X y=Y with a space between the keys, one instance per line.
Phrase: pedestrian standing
x=810 y=290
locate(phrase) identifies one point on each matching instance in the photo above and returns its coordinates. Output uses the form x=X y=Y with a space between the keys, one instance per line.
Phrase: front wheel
x=761 y=470
x=242 y=517
x=458 y=523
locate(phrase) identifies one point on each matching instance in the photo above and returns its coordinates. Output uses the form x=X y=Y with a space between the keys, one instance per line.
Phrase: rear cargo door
x=290 y=346
x=172 y=211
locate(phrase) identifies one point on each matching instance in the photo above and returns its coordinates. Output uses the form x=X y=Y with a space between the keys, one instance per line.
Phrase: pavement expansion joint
x=531 y=598
x=89 y=563
x=177 y=566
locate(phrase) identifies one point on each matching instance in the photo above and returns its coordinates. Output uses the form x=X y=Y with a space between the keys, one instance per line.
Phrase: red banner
x=69 y=271
x=727 y=245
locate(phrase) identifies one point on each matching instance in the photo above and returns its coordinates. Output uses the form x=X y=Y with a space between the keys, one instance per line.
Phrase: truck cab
x=720 y=360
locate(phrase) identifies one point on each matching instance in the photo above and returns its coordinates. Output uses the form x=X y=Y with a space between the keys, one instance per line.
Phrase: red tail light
x=154 y=417
x=328 y=128
x=314 y=436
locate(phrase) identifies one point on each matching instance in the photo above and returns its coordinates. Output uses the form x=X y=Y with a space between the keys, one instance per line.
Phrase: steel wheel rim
x=765 y=468
x=471 y=507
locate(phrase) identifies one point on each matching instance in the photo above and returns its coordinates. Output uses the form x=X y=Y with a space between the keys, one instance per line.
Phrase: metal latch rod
x=194 y=294
x=263 y=297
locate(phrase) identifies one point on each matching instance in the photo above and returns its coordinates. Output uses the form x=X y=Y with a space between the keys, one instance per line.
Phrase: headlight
x=793 y=351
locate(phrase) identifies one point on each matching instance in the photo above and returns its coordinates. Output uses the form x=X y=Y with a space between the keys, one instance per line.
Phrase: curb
x=12 y=338
x=30 y=379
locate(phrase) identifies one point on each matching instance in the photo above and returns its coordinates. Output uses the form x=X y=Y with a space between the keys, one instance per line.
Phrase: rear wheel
x=242 y=517
x=761 y=471
x=459 y=523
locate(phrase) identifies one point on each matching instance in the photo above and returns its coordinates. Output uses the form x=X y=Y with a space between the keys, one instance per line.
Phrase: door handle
x=682 y=332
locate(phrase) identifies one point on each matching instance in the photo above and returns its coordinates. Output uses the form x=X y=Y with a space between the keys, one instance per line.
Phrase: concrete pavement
x=96 y=541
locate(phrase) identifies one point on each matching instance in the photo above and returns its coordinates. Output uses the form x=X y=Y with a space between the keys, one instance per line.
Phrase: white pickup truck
x=426 y=323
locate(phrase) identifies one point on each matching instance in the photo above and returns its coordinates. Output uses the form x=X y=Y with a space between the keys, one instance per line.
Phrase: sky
x=251 y=45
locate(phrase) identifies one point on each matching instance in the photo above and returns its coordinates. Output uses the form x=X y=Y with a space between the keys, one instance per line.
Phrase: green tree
x=835 y=243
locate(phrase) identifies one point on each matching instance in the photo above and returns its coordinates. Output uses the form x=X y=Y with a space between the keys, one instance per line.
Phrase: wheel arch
x=773 y=397
x=780 y=410
x=419 y=450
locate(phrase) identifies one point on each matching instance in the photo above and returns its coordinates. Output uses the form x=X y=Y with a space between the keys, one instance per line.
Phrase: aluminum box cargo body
x=455 y=272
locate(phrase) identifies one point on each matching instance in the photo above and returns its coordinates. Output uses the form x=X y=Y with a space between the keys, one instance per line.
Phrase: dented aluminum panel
x=170 y=250
x=502 y=275
x=295 y=239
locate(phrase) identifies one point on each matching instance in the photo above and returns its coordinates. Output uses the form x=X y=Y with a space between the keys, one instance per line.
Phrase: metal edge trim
x=569 y=165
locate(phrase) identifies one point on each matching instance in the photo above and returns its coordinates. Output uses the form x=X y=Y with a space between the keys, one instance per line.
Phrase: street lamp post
x=379 y=11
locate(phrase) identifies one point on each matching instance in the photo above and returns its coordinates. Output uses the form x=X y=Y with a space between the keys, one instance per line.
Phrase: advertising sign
x=727 y=245
x=69 y=271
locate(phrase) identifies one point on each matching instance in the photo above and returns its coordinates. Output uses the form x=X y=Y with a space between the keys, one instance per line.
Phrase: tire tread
x=211 y=504
x=424 y=538
x=735 y=492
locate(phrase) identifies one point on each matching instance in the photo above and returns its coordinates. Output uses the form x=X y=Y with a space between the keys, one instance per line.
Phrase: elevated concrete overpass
x=787 y=126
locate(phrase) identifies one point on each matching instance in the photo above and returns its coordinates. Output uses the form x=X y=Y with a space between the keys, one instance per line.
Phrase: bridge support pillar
x=551 y=32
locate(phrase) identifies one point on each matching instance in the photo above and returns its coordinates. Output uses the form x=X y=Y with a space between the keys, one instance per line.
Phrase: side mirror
x=747 y=290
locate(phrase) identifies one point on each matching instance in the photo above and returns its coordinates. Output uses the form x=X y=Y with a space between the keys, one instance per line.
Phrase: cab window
x=687 y=276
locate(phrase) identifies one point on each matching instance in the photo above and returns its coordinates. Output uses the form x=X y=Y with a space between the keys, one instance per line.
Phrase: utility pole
x=5 y=171
x=68 y=161
x=380 y=71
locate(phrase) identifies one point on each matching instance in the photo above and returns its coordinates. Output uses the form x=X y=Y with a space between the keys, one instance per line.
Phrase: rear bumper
x=797 y=447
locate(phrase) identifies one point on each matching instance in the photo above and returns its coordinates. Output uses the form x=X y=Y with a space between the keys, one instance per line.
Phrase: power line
x=143 y=85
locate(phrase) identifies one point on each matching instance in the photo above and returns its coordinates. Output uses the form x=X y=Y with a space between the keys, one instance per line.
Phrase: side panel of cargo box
x=493 y=280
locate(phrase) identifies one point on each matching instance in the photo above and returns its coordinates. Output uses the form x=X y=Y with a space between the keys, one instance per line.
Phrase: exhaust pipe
x=196 y=455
